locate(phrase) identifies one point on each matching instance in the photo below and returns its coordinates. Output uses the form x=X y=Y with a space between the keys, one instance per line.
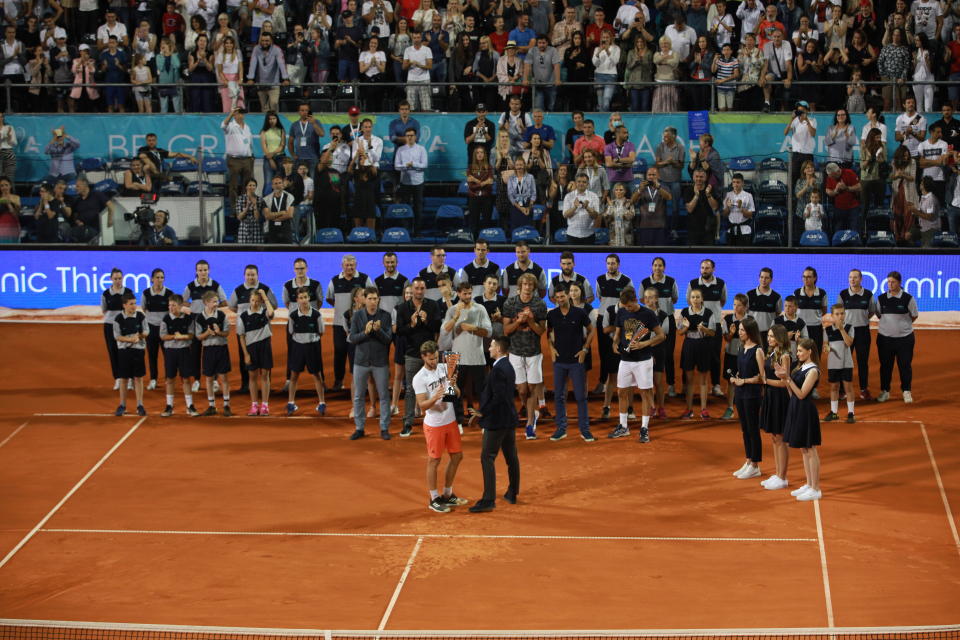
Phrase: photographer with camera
x=803 y=141
x=159 y=233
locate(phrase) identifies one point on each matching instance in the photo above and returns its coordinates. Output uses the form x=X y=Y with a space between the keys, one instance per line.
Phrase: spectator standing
x=373 y=67
x=516 y=122
x=542 y=67
x=398 y=126
x=347 y=41
x=809 y=69
x=278 y=212
x=618 y=217
x=910 y=128
x=596 y=174
x=581 y=209
x=670 y=157
x=61 y=149
x=238 y=141
x=768 y=25
x=8 y=147
x=750 y=13
x=113 y=64
x=934 y=155
x=841 y=139
x=701 y=71
x=682 y=37
x=808 y=183
x=708 y=159
x=589 y=140
x=249 y=212
x=873 y=155
x=843 y=186
x=803 y=142
x=777 y=69
x=739 y=209
x=522 y=193
x=268 y=70
x=751 y=60
x=540 y=166
x=168 y=73
x=229 y=65
x=904 y=200
x=923 y=66
x=619 y=157
x=418 y=61
x=272 y=144
x=703 y=216
x=667 y=64
x=202 y=73
x=303 y=143
x=894 y=65
x=437 y=40
x=563 y=30
x=651 y=199
x=578 y=65
x=606 y=57
x=484 y=68
x=366 y=151
x=726 y=71
x=638 y=75
x=411 y=161
x=479 y=132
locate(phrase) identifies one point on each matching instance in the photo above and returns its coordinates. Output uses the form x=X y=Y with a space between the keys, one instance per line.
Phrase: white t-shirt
x=867 y=127
x=379 y=17
x=801 y=140
x=905 y=121
x=736 y=211
x=813 y=217
x=259 y=17
x=372 y=59
x=932 y=151
x=419 y=56
x=105 y=31
x=928 y=205
x=925 y=13
x=231 y=65
x=427 y=381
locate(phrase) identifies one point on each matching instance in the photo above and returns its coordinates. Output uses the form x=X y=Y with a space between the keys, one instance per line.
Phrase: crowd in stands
x=576 y=54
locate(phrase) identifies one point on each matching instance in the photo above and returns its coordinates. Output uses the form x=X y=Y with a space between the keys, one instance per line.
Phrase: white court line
x=70 y=493
x=403 y=578
x=823 y=564
x=83 y=415
x=318 y=534
x=943 y=493
x=15 y=432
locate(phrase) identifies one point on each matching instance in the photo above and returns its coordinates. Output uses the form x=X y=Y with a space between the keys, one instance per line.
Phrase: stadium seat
x=743 y=165
x=537 y=212
x=769 y=218
x=560 y=236
x=398 y=213
x=526 y=233
x=879 y=220
x=449 y=216
x=119 y=165
x=460 y=236
x=396 y=235
x=462 y=189
x=493 y=235
x=846 y=238
x=881 y=238
x=640 y=167
x=94 y=169
x=601 y=236
x=814 y=239
x=329 y=235
x=215 y=169
x=107 y=187
x=193 y=189
x=172 y=188
x=945 y=240
x=71 y=189
x=361 y=235
x=772 y=180
x=768 y=239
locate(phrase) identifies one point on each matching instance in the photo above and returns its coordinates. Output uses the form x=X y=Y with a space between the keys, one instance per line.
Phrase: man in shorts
x=305 y=328
x=637 y=331
x=439 y=426
x=524 y=317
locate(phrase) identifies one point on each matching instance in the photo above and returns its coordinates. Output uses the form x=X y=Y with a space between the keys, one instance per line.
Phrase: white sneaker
x=130 y=383
x=216 y=387
x=116 y=384
x=884 y=396
x=717 y=391
x=152 y=385
x=196 y=386
x=736 y=474
x=671 y=392
x=774 y=483
x=908 y=397
x=802 y=489
x=750 y=472
x=809 y=494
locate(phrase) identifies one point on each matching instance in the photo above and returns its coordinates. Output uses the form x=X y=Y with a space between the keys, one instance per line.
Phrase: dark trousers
x=578 y=377
x=196 y=350
x=239 y=172
x=495 y=441
x=153 y=349
x=716 y=351
x=748 y=410
x=112 y=350
x=244 y=374
x=340 y=347
x=480 y=213
x=901 y=350
x=815 y=333
x=861 y=351
x=669 y=349
x=605 y=348
x=739 y=239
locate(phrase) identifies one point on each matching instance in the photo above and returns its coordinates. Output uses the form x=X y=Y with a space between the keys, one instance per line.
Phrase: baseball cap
x=84 y=47
x=354 y=110
x=511 y=44
x=481 y=107
x=803 y=103
x=347 y=14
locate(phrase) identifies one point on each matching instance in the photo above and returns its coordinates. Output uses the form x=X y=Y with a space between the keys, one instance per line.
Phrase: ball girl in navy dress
x=773 y=409
x=802 y=427
x=748 y=390
x=695 y=357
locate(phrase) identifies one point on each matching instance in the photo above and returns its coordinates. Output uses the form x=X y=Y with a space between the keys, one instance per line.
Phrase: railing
x=358 y=88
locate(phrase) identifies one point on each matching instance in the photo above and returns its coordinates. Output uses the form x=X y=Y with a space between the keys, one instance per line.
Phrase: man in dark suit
x=498 y=417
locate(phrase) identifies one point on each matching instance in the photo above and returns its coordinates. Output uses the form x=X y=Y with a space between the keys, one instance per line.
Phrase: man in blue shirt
x=411 y=161
x=304 y=139
x=548 y=136
x=523 y=35
x=398 y=127
x=439 y=41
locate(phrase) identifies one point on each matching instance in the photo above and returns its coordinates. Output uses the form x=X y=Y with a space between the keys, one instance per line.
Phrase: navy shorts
x=130 y=363
x=840 y=375
x=216 y=360
x=305 y=356
x=261 y=355
x=695 y=354
x=177 y=361
x=659 y=357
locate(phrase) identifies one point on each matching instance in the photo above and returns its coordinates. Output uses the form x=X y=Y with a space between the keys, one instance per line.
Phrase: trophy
x=634 y=331
x=451 y=359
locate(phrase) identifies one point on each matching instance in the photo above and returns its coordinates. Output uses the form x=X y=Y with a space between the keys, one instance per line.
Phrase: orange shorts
x=440 y=439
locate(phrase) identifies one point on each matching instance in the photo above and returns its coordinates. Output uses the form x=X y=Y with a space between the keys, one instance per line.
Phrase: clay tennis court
x=278 y=522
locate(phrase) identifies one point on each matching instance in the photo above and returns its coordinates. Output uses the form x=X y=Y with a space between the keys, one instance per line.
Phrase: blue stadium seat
x=640 y=166
x=879 y=220
x=601 y=236
x=398 y=212
x=107 y=187
x=93 y=164
x=396 y=235
x=770 y=218
x=814 y=239
x=213 y=164
x=329 y=235
x=462 y=189
x=449 y=216
x=193 y=189
x=945 y=240
x=182 y=165
x=768 y=239
x=460 y=236
x=529 y=234
x=537 y=212
x=846 y=238
x=493 y=235
x=881 y=238
x=361 y=235
x=171 y=188
x=71 y=189
x=560 y=236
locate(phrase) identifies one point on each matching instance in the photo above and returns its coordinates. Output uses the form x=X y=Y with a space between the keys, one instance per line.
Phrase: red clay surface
x=891 y=555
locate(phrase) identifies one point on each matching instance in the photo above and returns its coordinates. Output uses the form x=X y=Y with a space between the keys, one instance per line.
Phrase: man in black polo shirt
x=86 y=211
x=153 y=156
x=566 y=327
x=239 y=302
x=479 y=269
x=418 y=320
x=703 y=211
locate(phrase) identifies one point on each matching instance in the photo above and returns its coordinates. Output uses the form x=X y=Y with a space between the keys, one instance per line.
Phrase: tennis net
x=61 y=630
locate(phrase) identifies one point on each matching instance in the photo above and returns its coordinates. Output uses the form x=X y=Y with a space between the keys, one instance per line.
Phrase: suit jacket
x=496 y=400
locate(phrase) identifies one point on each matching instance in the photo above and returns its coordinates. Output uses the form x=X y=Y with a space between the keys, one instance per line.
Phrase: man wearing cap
x=803 y=141
x=417 y=62
x=843 y=186
x=542 y=68
x=347 y=44
x=479 y=132
x=268 y=70
x=239 y=150
x=352 y=129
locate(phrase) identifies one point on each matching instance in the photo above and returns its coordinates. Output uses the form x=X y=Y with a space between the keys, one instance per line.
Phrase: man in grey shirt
x=542 y=68
x=670 y=159
x=371 y=335
x=268 y=69
x=469 y=324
